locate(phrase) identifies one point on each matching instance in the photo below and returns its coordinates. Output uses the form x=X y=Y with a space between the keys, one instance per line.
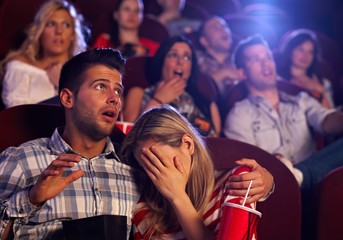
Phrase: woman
x=128 y=16
x=183 y=196
x=298 y=63
x=173 y=76
x=31 y=74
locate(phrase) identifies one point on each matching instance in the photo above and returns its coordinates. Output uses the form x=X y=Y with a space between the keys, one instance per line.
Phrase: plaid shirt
x=107 y=187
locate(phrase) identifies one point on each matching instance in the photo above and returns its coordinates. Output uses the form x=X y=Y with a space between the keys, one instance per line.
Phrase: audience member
x=216 y=39
x=299 y=56
x=183 y=198
x=280 y=123
x=76 y=173
x=31 y=74
x=173 y=75
x=171 y=17
x=128 y=16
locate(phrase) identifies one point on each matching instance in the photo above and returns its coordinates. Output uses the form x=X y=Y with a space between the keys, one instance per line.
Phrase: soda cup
x=238 y=222
x=125 y=127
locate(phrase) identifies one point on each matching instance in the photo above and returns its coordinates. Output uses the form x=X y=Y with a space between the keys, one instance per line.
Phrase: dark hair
x=155 y=67
x=73 y=70
x=200 y=32
x=114 y=30
x=288 y=45
x=238 y=54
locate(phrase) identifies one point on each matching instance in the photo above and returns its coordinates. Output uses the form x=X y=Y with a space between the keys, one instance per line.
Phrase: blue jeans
x=321 y=163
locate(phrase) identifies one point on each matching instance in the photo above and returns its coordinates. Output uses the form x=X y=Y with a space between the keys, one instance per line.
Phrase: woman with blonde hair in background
x=31 y=73
x=183 y=196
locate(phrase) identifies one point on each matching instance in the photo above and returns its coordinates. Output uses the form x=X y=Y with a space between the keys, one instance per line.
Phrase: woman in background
x=184 y=194
x=31 y=74
x=298 y=64
x=124 y=35
x=173 y=77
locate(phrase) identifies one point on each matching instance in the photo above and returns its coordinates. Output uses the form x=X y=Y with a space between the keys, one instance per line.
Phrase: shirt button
x=97 y=189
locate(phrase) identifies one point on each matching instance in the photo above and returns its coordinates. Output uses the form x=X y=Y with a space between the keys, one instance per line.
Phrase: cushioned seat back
x=281 y=212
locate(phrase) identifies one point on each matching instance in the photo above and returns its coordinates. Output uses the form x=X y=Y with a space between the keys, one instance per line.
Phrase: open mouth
x=109 y=115
x=178 y=73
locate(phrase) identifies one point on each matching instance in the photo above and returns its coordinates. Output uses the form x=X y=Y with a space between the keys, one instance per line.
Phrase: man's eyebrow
x=106 y=80
x=120 y=85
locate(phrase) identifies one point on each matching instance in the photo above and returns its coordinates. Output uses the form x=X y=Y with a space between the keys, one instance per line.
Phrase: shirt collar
x=58 y=146
x=284 y=98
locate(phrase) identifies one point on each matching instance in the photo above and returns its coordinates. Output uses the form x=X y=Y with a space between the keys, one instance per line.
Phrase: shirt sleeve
x=315 y=113
x=14 y=199
x=238 y=125
x=16 y=87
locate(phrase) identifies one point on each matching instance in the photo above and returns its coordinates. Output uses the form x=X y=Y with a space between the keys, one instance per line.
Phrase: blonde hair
x=31 y=47
x=164 y=124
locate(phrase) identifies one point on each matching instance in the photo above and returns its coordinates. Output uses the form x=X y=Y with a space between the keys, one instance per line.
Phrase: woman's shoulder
x=22 y=59
x=22 y=65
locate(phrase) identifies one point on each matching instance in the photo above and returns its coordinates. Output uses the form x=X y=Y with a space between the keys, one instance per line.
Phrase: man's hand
x=50 y=183
x=262 y=181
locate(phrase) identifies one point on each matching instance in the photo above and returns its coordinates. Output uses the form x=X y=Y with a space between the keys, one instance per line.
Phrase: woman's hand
x=168 y=175
x=168 y=91
x=262 y=181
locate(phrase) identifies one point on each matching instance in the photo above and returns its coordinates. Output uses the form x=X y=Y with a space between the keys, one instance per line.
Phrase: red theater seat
x=281 y=212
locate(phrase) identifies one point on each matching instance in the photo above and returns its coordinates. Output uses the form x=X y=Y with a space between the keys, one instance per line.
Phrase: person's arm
x=170 y=178
x=333 y=123
x=16 y=86
x=133 y=102
x=215 y=117
x=262 y=181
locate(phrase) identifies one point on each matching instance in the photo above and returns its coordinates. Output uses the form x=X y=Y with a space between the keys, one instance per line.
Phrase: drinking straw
x=246 y=195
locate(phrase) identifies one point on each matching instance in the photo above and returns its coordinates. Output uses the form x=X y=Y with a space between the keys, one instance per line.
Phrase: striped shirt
x=106 y=188
x=211 y=216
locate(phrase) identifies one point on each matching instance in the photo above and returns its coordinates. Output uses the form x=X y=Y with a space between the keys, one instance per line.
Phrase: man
x=76 y=173
x=216 y=38
x=280 y=123
x=171 y=17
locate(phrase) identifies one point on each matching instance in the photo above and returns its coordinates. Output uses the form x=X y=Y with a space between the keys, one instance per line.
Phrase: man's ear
x=188 y=143
x=66 y=98
x=203 y=41
x=241 y=73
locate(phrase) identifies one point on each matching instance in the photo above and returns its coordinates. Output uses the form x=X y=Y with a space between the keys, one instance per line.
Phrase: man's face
x=216 y=35
x=259 y=69
x=97 y=104
x=172 y=5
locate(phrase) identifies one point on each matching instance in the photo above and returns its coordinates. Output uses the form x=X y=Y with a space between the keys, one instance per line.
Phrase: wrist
x=157 y=100
x=32 y=200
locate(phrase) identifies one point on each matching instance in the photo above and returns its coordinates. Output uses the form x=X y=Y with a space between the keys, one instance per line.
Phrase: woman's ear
x=188 y=143
x=66 y=98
